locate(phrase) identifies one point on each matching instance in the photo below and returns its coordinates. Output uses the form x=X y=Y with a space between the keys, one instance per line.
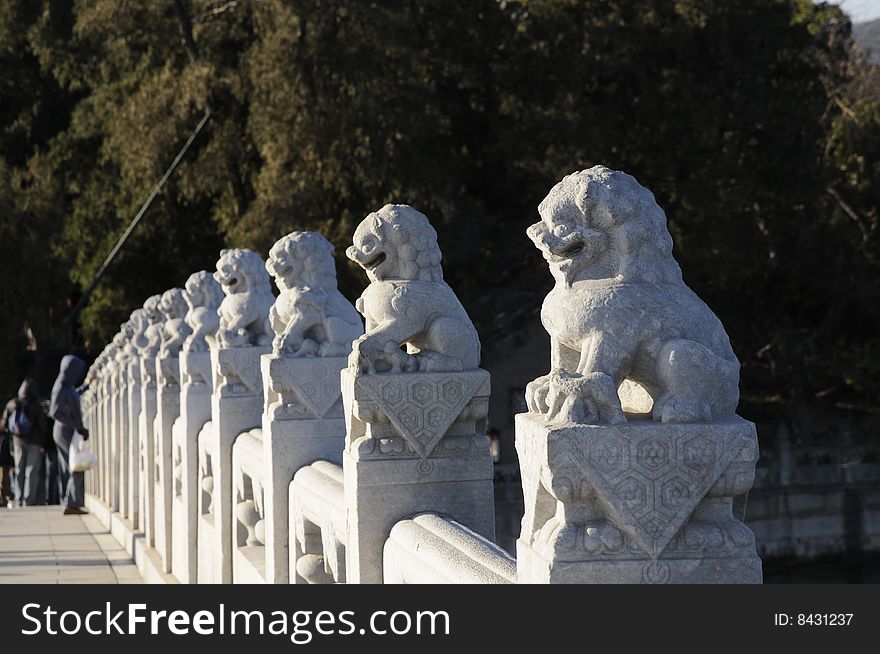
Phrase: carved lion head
x=242 y=271
x=397 y=242
x=172 y=305
x=202 y=290
x=302 y=259
x=602 y=224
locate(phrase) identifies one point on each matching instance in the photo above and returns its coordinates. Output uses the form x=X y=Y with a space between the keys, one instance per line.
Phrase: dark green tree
x=749 y=120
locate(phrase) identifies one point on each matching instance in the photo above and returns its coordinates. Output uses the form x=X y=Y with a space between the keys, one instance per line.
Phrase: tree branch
x=185 y=25
x=216 y=10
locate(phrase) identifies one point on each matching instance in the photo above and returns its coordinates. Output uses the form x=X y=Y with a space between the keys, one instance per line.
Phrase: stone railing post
x=235 y=408
x=95 y=430
x=107 y=430
x=129 y=496
x=139 y=325
x=139 y=322
x=121 y=420
x=236 y=403
x=122 y=432
x=202 y=295
x=120 y=423
x=134 y=409
x=101 y=440
x=314 y=327
x=87 y=400
x=174 y=332
x=148 y=348
x=415 y=417
x=90 y=398
x=612 y=496
x=113 y=414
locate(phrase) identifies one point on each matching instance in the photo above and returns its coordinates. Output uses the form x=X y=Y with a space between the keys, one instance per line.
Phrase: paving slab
x=41 y=545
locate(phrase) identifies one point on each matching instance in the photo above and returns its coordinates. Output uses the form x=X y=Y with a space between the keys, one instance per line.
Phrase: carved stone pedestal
x=640 y=502
x=415 y=442
x=236 y=407
x=195 y=410
x=302 y=423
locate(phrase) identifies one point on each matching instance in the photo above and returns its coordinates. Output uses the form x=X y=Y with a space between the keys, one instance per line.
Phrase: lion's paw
x=536 y=393
x=571 y=398
x=370 y=356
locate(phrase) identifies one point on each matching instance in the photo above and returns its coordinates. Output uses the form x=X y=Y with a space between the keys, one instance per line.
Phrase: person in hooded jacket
x=65 y=410
x=25 y=420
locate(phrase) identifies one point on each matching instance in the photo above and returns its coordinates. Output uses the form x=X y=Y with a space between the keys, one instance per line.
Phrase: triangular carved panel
x=315 y=381
x=422 y=406
x=651 y=482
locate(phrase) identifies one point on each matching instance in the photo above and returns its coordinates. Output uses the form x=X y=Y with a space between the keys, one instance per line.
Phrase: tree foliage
x=749 y=120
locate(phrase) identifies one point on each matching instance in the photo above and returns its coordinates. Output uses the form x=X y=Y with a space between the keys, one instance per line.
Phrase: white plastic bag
x=81 y=456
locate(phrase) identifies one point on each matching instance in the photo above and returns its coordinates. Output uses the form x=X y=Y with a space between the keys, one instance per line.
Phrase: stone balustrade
x=244 y=437
x=249 y=502
x=430 y=549
x=318 y=526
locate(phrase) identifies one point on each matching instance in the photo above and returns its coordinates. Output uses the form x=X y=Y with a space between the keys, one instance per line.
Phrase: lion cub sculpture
x=310 y=317
x=414 y=321
x=244 y=312
x=620 y=310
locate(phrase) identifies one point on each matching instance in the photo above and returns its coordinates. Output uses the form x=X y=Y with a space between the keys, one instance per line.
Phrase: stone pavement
x=40 y=545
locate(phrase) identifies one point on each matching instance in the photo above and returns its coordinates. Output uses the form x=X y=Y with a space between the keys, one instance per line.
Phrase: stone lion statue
x=407 y=304
x=150 y=339
x=174 y=328
x=203 y=296
x=133 y=328
x=118 y=342
x=620 y=310
x=244 y=312
x=310 y=317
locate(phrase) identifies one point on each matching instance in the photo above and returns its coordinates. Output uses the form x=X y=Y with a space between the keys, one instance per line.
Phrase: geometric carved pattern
x=651 y=484
x=422 y=406
x=314 y=380
x=238 y=370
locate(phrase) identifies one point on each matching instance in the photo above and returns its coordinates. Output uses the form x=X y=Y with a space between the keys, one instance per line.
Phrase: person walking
x=65 y=410
x=25 y=420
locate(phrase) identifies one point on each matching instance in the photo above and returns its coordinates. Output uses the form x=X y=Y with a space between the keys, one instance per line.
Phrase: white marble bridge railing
x=247 y=438
x=286 y=515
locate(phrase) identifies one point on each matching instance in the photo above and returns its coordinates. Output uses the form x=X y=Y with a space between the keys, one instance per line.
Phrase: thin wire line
x=146 y=205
